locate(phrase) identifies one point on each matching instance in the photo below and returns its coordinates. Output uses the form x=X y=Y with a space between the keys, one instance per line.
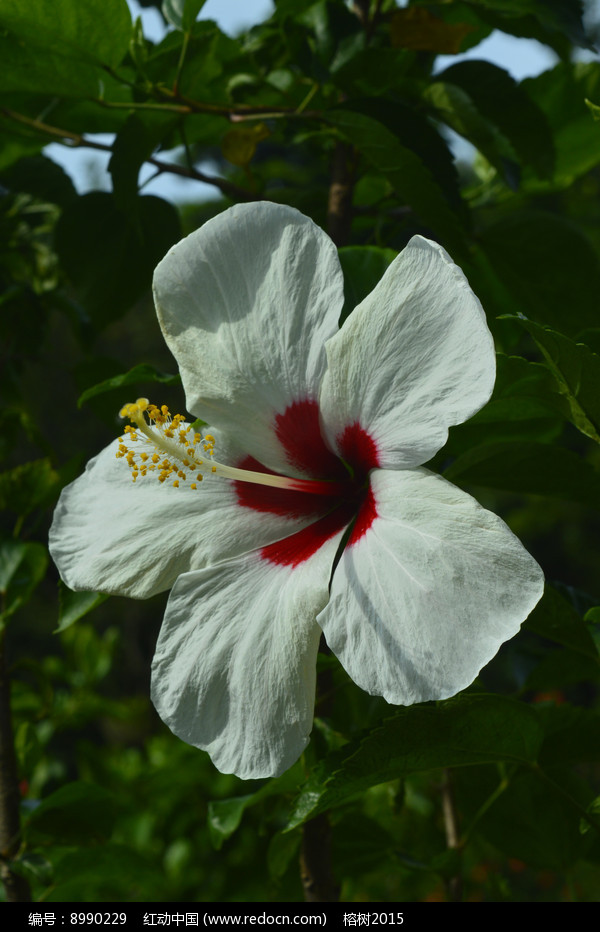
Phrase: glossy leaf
x=499 y=99
x=97 y=30
x=108 y=258
x=458 y=732
x=406 y=172
x=555 y=619
x=577 y=373
x=77 y=812
x=363 y=266
x=135 y=376
x=22 y=568
x=528 y=467
x=564 y=16
x=182 y=13
x=74 y=605
x=531 y=252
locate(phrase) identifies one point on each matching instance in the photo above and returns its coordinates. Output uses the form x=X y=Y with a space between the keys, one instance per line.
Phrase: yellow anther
x=210 y=438
x=193 y=486
x=176 y=484
x=213 y=469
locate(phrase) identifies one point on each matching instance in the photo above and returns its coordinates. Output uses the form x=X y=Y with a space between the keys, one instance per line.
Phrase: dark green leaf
x=22 y=568
x=571 y=734
x=530 y=468
x=525 y=405
x=74 y=605
x=455 y=108
x=563 y=16
x=224 y=817
x=28 y=486
x=42 y=178
x=363 y=267
x=25 y=67
x=132 y=146
x=577 y=373
x=404 y=170
x=108 y=258
x=182 y=13
x=466 y=730
x=531 y=252
x=499 y=98
x=135 y=376
x=561 y=94
x=76 y=813
x=533 y=822
x=97 y=30
x=555 y=619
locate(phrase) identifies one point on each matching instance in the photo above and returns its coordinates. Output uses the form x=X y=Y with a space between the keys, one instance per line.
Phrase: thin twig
x=76 y=140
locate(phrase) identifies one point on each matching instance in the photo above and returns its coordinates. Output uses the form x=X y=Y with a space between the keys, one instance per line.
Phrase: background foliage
x=342 y=110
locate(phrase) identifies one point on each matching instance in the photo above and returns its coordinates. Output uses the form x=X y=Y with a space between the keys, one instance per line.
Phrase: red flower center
x=299 y=433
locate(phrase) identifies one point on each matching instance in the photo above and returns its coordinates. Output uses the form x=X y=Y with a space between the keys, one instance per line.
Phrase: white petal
x=414 y=358
x=234 y=669
x=112 y=535
x=428 y=594
x=246 y=304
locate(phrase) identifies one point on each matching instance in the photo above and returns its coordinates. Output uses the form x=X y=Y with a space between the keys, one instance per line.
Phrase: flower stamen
x=175 y=444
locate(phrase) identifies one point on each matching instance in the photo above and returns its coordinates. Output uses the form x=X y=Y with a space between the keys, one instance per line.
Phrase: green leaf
x=224 y=817
x=528 y=468
x=182 y=13
x=571 y=734
x=499 y=98
x=97 y=30
x=533 y=822
x=76 y=813
x=563 y=16
x=469 y=729
x=28 y=486
x=74 y=605
x=27 y=68
x=132 y=146
x=554 y=618
x=22 y=568
x=41 y=177
x=530 y=251
x=109 y=259
x=363 y=267
x=561 y=93
x=577 y=373
x=135 y=376
x=455 y=108
x=525 y=405
x=405 y=171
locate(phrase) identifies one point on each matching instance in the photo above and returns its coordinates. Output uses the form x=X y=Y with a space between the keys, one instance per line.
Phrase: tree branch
x=76 y=140
x=16 y=887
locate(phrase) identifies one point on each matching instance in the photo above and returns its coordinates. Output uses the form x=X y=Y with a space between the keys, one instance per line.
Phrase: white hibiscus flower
x=426 y=583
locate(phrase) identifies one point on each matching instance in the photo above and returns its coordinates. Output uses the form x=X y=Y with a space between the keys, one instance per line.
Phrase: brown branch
x=16 y=887
x=454 y=883
x=341 y=188
x=318 y=882
x=76 y=140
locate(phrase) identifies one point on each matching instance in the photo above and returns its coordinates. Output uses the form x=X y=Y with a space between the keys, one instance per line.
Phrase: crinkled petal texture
x=112 y=535
x=426 y=596
x=246 y=304
x=235 y=664
x=415 y=357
